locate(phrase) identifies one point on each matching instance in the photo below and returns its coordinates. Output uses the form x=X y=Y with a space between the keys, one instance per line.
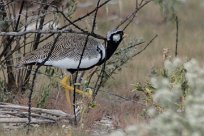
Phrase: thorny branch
x=177 y=31
x=82 y=54
x=132 y=15
x=37 y=36
x=80 y=18
x=48 y=32
x=128 y=19
x=34 y=77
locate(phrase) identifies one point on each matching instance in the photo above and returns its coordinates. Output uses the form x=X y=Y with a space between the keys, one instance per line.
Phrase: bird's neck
x=110 y=49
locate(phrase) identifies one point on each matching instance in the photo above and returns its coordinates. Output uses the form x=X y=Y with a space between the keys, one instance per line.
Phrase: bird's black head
x=115 y=36
x=113 y=40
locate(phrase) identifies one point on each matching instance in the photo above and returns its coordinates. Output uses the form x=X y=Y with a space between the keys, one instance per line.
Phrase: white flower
x=177 y=62
x=169 y=67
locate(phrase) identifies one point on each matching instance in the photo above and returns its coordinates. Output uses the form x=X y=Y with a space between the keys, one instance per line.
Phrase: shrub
x=168 y=89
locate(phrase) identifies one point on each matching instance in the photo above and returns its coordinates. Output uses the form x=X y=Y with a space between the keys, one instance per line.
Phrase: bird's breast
x=69 y=63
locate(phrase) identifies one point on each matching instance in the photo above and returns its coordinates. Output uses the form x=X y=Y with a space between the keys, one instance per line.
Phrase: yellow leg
x=64 y=83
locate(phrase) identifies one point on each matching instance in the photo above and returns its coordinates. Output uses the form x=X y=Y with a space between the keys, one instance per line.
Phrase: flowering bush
x=170 y=92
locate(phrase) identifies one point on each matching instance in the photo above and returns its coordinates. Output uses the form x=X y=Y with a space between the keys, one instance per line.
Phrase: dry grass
x=148 y=23
x=60 y=130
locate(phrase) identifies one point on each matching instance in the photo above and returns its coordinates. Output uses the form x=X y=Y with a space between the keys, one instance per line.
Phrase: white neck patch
x=116 y=38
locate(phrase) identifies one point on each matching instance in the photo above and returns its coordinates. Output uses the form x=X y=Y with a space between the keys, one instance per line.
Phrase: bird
x=67 y=54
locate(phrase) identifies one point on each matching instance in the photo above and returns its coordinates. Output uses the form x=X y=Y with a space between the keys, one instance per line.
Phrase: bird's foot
x=64 y=83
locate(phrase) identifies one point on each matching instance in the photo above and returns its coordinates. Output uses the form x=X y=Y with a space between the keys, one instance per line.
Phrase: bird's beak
x=125 y=35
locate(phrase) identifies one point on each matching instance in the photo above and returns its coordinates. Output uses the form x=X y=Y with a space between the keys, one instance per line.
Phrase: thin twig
x=147 y=45
x=81 y=57
x=122 y=97
x=124 y=62
x=177 y=31
x=36 y=39
x=34 y=77
x=80 y=18
x=48 y=32
x=131 y=15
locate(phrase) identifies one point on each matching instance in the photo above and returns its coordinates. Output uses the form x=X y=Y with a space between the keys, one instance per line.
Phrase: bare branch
x=132 y=15
x=50 y=31
x=177 y=28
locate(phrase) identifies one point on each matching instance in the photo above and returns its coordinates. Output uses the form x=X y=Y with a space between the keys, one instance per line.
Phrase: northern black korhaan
x=68 y=49
x=67 y=53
